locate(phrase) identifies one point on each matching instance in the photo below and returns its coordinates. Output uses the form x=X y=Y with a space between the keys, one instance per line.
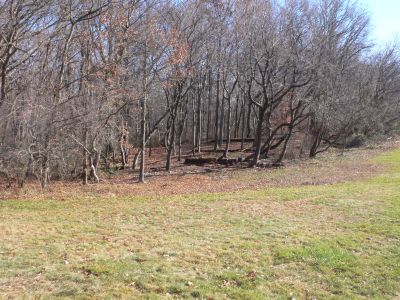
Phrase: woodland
x=92 y=87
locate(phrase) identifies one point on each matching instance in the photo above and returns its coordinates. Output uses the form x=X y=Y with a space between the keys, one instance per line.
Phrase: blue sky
x=385 y=19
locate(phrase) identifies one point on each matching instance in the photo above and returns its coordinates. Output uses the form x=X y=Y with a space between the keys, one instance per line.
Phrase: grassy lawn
x=338 y=241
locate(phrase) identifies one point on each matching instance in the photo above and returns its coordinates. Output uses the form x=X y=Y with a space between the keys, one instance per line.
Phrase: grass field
x=337 y=241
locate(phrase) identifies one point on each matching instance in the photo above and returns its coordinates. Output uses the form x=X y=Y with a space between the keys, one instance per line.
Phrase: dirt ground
x=329 y=168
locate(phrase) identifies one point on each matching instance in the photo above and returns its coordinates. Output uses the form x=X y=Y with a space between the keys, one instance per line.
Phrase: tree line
x=81 y=81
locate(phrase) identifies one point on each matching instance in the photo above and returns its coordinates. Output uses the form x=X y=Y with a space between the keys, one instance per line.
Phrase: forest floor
x=322 y=228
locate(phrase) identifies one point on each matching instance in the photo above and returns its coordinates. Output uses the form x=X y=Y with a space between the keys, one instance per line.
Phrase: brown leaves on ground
x=329 y=168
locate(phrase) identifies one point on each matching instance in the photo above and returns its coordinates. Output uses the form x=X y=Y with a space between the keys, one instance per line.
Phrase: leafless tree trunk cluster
x=92 y=84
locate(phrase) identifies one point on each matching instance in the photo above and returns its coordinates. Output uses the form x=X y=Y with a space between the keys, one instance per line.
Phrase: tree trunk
x=93 y=166
x=199 y=120
x=243 y=112
x=45 y=169
x=123 y=142
x=136 y=159
x=258 y=137
x=209 y=104
x=283 y=152
x=228 y=129
x=315 y=145
x=248 y=124
x=222 y=123
x=193 y=127
x=143 y=121
x=143 y=141
x=216 y=134
x=170 y=145
x=85 y=160
x=180 y=148
x=237 y=118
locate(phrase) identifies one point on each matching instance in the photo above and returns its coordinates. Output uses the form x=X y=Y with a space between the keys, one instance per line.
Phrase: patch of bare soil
x=329 y=168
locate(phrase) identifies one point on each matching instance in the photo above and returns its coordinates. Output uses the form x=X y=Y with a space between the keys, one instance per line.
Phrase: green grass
x=338 y=241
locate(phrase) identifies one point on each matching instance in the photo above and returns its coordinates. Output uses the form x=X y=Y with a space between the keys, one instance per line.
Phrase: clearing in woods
x=326 y=228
